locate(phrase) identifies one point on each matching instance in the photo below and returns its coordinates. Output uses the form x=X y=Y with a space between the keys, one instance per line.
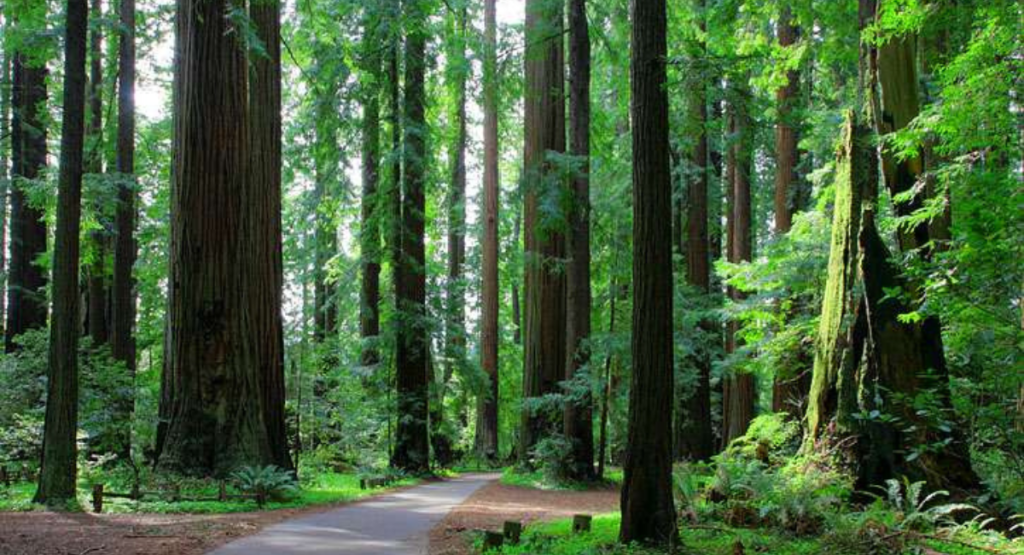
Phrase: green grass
x=322 y=490
x=556 y=538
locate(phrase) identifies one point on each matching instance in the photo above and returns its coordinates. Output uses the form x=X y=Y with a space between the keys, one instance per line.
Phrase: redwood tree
x=58 y=472
x=369 y=224
x=96 y=310
x=579 y=427
x=648 y=511
x=694 y=437
x=215 y=404
x=487 y=402
x=122 y=321
x=262 y=225
x=544 y=282
x=26 y=304
x=412 y=451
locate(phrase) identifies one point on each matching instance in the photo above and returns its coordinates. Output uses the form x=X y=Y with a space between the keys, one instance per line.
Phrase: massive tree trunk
x=369 y=225
x=122 y=339
x=412 y=451
x=261 y=206
x=739 y=391
x=788 y=388
x=58 y=473
x=648 y=513
x=96 y=312
x=544 y=283
x=216 y=412
x=694 y=437
x=487 y=402
x=578 y=418
x=26 y=305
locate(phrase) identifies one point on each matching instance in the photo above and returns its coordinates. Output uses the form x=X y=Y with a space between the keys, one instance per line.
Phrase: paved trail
x=393 y=524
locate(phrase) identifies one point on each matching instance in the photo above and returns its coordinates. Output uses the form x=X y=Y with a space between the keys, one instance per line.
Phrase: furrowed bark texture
x=216 y=413
x=578 y=416
x=544 y=284
x=58 y=472
x=487 y=403
x=648 y=511
x=261 y=239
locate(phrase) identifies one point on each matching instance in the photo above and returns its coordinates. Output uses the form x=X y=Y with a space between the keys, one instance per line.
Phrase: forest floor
x=38 y=532
x=492 y=505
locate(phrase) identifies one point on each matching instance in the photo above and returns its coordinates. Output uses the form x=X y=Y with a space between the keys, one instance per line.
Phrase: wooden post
x=222 y=493
x=97 y=498
x=581 y=523
x=136 y=493
x=4 y=477
x=362 y=483
x=513 y=530
x=493 y=540
x=175 y=492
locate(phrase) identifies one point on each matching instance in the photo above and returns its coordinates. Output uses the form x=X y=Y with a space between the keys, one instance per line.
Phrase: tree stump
x=493 y=540
x=581 y=523
x=512 y=531
x=97 y=498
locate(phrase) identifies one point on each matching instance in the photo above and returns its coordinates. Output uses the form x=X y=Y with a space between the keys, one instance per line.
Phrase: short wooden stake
x=136 y=494
x=222 y=492
x=512 y=531
x=175 y=492
x=362 y=483
x=4 y=477
x=581 y=523
x=493 y=540
x=97 y=498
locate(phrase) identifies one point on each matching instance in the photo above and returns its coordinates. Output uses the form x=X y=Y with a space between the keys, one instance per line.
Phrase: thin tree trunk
x=96 y=312
x=606 y=398
x=578 y=417
x=544 y=283
x=517 y=320
x=58 y=473
x=648 y=511
x=739 y=395
x=411 y=441
x=26 y=306
x=487 y=403
x=788 y=389
x=694 y=436
x=216 y=412
x=122 y=338
x=262 y=232
x=5 y=181
x=369 y=228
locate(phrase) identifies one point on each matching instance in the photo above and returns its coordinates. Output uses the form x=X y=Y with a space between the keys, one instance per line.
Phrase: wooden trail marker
x=97 y=498
x=512 y=531
x=581 y=523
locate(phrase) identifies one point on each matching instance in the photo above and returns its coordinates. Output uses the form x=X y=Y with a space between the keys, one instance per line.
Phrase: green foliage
x=266 y=483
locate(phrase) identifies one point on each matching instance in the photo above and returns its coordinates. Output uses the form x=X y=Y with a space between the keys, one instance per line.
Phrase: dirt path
x=489 y=507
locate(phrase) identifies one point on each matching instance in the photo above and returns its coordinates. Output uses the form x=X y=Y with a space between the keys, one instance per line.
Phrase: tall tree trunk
x=740 y=394
x=648 y=512
x=487 y=403
x=26 y=305
x=607 y=390
x=544 y=283
x=96 y=311
x=216 y=412
x=694 y=436
x=5 y=181
x=578 y=418
x=788 y=389
x=327 y=169
x=58 y=473
x=262 y=231
x=412 y=451
x=369 y=226
x=517 y=320
x=122 y=338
